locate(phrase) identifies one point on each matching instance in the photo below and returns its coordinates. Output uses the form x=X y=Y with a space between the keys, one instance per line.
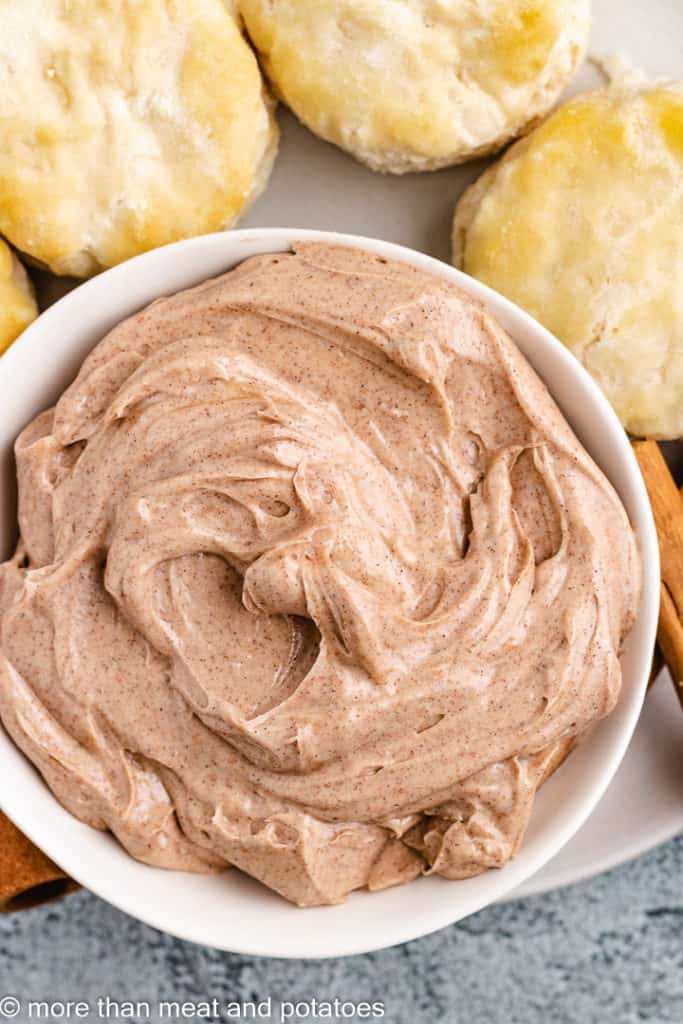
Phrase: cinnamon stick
x=667 y=508
x=27 y=877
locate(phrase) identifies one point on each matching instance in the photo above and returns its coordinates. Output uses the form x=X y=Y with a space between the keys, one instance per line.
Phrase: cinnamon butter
x=313 y=579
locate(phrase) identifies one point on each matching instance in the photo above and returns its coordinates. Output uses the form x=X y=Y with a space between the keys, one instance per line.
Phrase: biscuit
x=580 y=224
x=17 y=302
x=125 y=125
x=413 y=85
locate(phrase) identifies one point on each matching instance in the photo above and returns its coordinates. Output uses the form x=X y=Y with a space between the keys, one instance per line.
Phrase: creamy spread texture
x=313 y=579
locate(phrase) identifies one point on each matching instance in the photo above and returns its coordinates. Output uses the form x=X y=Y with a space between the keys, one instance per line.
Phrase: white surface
x=642 y=807
x=230 y=911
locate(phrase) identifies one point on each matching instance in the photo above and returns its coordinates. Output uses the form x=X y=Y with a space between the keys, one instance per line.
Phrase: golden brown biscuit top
x=580 y=224
x=17 y=302
x=124 y=126
x=413 y=84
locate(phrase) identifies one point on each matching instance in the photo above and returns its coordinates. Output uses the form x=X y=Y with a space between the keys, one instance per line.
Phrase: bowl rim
x=50 y=328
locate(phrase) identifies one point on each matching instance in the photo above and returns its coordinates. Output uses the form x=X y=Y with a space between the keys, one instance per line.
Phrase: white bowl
x=231 y=911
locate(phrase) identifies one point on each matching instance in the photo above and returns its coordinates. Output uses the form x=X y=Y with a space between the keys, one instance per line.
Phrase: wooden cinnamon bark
x=667 y=507
x=27 y=877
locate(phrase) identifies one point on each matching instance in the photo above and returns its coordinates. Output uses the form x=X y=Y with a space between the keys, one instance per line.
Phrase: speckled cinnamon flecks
x=313 y=579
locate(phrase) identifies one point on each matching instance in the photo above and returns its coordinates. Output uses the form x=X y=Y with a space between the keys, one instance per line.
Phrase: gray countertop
x=608 y=951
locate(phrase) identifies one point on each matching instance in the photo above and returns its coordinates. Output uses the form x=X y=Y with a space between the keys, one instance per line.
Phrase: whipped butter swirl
x=313 y=579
